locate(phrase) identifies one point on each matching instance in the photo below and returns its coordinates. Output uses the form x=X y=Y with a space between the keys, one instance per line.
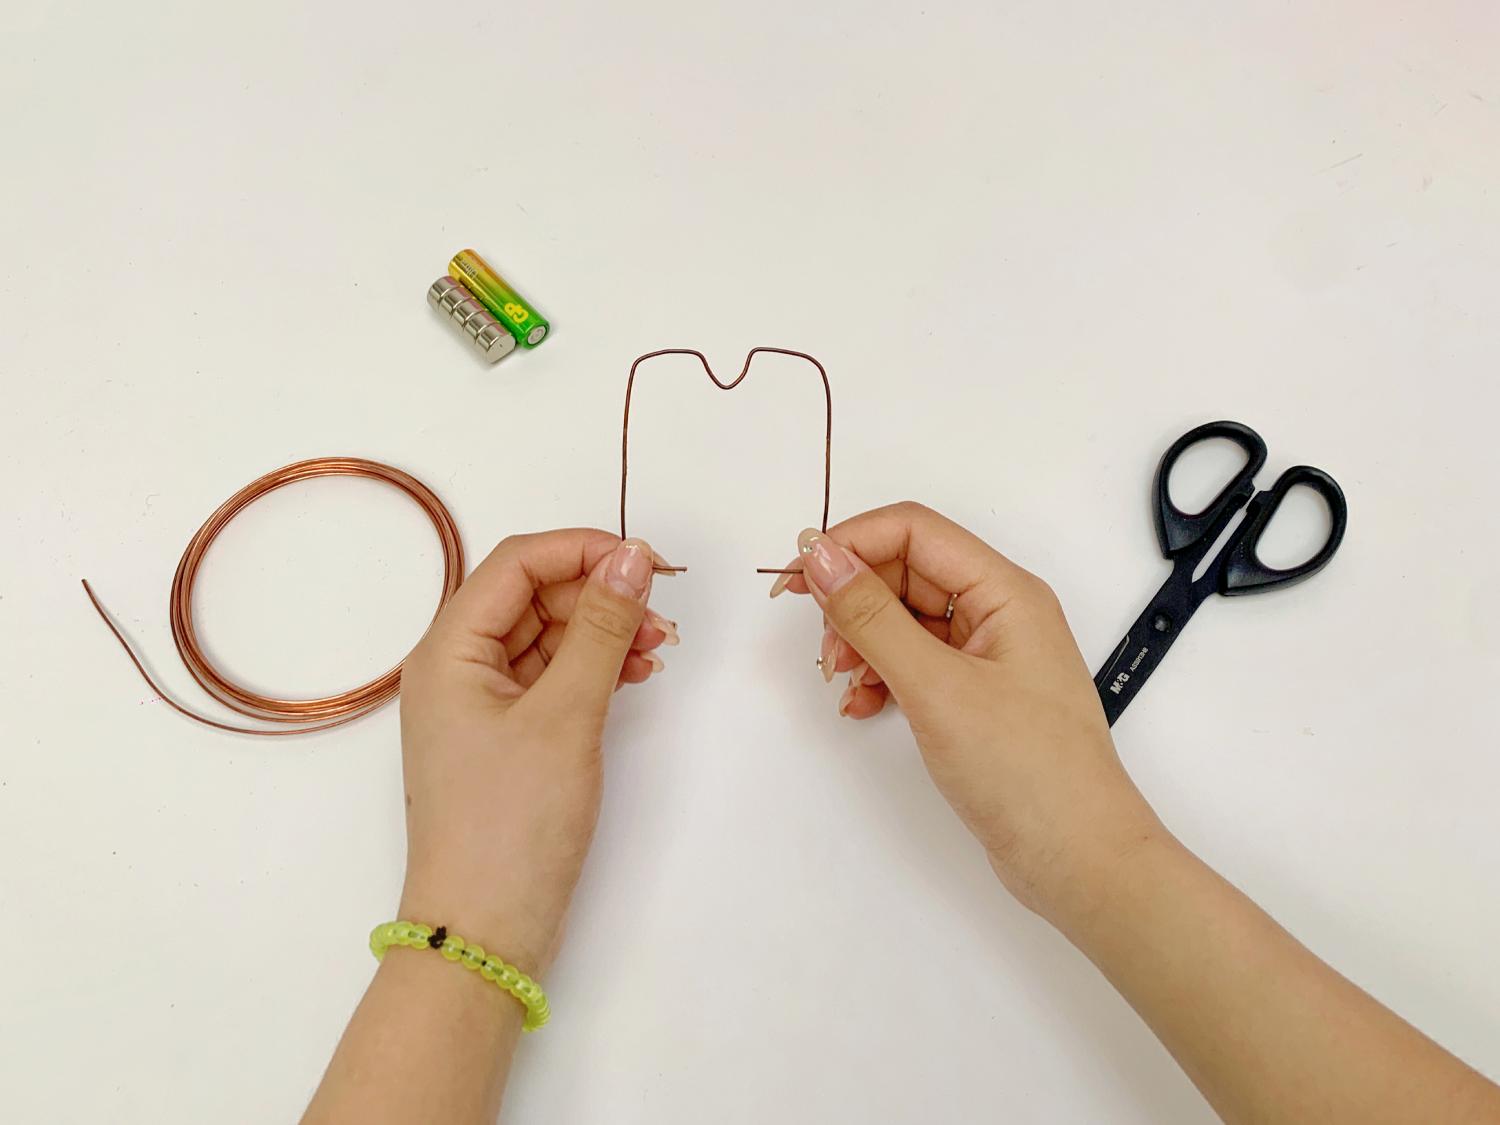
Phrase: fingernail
x=664 y=567
x=827 y=652
x=847 y=700
x=628 y=571
x=668 y=627
x=656 y=662
x=827 y=565
x=780 y=585
x=856 y=674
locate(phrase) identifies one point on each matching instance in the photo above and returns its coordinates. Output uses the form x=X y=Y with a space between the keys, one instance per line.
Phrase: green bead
x=491 y=968
x=453 y=948
x=422 y=932
x=473 y=956
x=387 y=934
x=510 y=976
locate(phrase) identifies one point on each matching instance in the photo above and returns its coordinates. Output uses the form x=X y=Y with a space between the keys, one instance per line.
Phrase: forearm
x=429 y=1042
x=1267 y=1031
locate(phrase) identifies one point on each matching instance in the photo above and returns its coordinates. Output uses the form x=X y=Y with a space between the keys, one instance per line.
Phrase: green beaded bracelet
x=507 y=978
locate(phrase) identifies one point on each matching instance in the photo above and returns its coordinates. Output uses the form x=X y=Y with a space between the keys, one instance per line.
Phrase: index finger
x=940 y=558
x=500 y=590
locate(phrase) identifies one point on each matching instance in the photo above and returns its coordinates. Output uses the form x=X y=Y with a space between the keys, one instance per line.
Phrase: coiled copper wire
x=311 y=714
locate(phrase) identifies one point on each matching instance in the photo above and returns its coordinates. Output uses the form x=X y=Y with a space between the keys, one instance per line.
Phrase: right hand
x=999 y=700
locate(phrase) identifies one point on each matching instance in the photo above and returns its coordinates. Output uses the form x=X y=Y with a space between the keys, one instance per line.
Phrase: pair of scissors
x=1186 y=540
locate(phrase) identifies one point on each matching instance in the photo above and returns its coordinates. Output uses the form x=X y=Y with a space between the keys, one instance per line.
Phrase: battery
x=490 y=338
x=511 y=309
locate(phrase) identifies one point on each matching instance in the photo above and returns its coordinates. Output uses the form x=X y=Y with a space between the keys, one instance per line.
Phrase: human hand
x=502 y=715
x=997 y=695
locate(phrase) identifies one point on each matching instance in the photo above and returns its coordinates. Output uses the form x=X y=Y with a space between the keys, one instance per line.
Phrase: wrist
x=1068 y=871
x=1083 y=890
x=426 y=979
x=509 y=932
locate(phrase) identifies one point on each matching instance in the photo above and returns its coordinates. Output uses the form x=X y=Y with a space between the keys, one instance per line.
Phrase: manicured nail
x=784 y=579
x=656 y=662
x=847 y=700
x=856 y=674
x=657 y=621
x=827 y=565
x=628 y=571
x=664 y=567
x=827 y=653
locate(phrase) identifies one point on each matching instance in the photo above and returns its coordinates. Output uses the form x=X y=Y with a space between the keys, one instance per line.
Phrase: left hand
x=502 y=716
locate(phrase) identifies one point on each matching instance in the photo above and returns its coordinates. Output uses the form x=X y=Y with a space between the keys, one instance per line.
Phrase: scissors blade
x=1149 y=638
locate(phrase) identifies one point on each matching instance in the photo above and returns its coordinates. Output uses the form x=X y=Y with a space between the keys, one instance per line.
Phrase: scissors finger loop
x=1243 y=572
x=1176 y=530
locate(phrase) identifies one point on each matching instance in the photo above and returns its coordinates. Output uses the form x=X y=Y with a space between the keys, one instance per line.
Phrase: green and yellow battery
x=511 y=309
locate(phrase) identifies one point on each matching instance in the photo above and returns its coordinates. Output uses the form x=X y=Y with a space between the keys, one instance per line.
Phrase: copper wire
x=729 y=386
x=313 y=714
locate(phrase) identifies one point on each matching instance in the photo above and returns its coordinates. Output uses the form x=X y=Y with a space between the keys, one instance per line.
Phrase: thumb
x=863 y=610
x=603 y=624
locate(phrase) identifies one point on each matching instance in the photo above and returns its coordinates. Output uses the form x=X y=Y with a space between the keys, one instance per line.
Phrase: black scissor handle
x=1177 y=530
x=1243 y=572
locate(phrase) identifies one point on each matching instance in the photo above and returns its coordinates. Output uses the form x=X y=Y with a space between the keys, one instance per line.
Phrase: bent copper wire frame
x=729 y=386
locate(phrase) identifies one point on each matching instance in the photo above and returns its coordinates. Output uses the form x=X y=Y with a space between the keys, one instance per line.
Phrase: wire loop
x=729 y=386
x=313 y=714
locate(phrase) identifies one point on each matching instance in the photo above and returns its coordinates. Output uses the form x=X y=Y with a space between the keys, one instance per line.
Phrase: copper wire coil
x=311 y=714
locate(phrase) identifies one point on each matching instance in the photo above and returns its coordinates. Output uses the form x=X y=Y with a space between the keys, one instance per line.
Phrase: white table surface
x=1031 y=245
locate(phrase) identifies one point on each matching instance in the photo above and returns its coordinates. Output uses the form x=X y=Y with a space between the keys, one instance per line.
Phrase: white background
x=1033 y=243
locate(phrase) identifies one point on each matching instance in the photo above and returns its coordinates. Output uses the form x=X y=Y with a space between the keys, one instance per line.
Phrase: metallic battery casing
x=490 y=338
